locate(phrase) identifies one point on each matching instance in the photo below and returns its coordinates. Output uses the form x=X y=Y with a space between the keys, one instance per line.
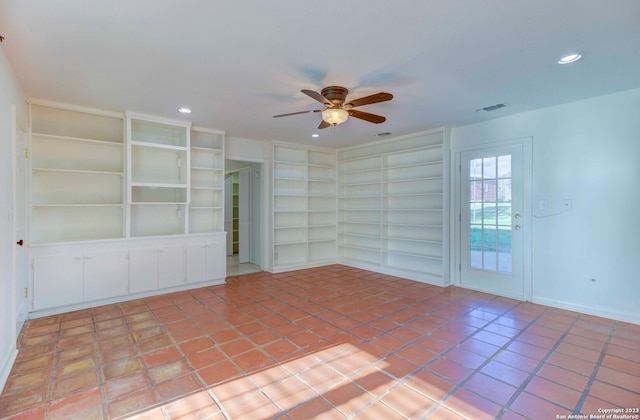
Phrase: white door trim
x=456 y=205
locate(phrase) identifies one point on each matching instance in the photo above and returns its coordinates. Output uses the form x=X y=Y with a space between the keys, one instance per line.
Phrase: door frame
x=456 y=220
x=20 y=262
x=257 y=216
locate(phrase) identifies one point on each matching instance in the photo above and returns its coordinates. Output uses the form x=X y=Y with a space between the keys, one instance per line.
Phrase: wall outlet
x=566 y=204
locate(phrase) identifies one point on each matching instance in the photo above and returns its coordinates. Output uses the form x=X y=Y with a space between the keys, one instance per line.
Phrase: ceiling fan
x=337 y=110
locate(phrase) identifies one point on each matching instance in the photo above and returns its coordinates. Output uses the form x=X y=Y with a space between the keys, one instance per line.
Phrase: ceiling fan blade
x=368 y=100
x=376 y=119
x=323 y=124
x=296 y=113
x=318 y=97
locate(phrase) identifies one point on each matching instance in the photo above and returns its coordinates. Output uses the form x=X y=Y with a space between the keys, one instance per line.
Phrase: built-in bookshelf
x=304 y=206
x=121 y=205
x=391 y=202
x=235 y=212
x=158 y=162
x=206 y=209
x=77 y=175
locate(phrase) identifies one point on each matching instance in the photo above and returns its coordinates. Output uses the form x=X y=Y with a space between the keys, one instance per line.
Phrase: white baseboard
x=7 y=364
x=427 y=278
x=611 y=313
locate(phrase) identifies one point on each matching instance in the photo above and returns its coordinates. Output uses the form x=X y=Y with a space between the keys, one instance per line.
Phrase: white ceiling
x=238 y=63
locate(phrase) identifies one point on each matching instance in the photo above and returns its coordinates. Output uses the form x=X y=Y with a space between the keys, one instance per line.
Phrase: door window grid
x=490 y=213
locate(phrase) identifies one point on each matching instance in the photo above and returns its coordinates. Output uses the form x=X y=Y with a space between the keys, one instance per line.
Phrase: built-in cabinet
x=157 y=267
x=203 y=260
x=391 y=206
x=304 y=206
x=121 y=205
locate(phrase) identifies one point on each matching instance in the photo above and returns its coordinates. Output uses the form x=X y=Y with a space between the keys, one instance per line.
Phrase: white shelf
x=77 y=175
x=144 y=130
x=159 y=175
x=206 y=210
x=157 y=146
x=391 y=206
x=304 y=206
x=77 y=140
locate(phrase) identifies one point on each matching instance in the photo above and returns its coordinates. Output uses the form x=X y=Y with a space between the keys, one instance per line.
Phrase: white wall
x=10 y=93
x=589 y=152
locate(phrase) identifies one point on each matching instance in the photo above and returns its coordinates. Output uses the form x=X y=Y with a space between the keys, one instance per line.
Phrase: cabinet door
x=171 y=266
x=143 y=269
x=57 y=281
x=216 y=261
x=105 y=275
x=196 y=262
x=206 y=261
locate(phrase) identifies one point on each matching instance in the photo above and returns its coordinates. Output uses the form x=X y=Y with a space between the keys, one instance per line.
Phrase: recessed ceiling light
x=570 y=58
x=315 y=135
x=184 y=110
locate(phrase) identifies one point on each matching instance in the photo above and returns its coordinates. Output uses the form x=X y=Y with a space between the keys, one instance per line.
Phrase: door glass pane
x=504 y=261
x=504 y=239
x=489 y=167
x=490 y=260
x=475 y=192
x=504 y=214
x=475 y=169
x=504 y=166
x=490 y=213
x=475 y=236
x=489 y=236
x=504 y=190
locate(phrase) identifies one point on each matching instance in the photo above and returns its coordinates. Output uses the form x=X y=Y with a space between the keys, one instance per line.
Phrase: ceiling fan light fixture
x=335 y=116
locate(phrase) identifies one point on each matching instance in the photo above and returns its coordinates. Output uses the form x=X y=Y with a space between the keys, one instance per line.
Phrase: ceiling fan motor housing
x=336 y=94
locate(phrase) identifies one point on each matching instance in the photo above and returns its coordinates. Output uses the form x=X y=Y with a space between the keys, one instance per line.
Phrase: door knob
x=20 y=242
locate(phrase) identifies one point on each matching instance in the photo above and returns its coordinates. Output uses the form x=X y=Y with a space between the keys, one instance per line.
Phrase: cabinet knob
x=20 y=242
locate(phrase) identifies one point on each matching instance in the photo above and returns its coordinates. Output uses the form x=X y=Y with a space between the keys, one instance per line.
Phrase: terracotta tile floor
x=332 y=342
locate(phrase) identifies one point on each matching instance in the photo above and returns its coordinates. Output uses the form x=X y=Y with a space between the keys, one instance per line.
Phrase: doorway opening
x=242 y=222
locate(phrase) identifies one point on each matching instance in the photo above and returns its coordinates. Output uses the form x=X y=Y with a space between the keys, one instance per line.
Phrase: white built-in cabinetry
x=304 y=206
x=121 y=205
x=391 y=207
x=206 y=210
x=158 y=175
x=77 y=175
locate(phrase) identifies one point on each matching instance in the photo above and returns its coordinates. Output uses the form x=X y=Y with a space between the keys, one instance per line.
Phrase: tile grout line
x=483 y=364
x=537 y=369
x=596 y=368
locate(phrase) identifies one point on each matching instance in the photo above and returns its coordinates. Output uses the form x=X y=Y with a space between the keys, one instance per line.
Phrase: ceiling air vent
x=491 y=108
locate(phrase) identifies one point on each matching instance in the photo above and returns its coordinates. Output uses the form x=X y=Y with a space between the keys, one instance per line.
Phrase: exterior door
x=493 y=219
